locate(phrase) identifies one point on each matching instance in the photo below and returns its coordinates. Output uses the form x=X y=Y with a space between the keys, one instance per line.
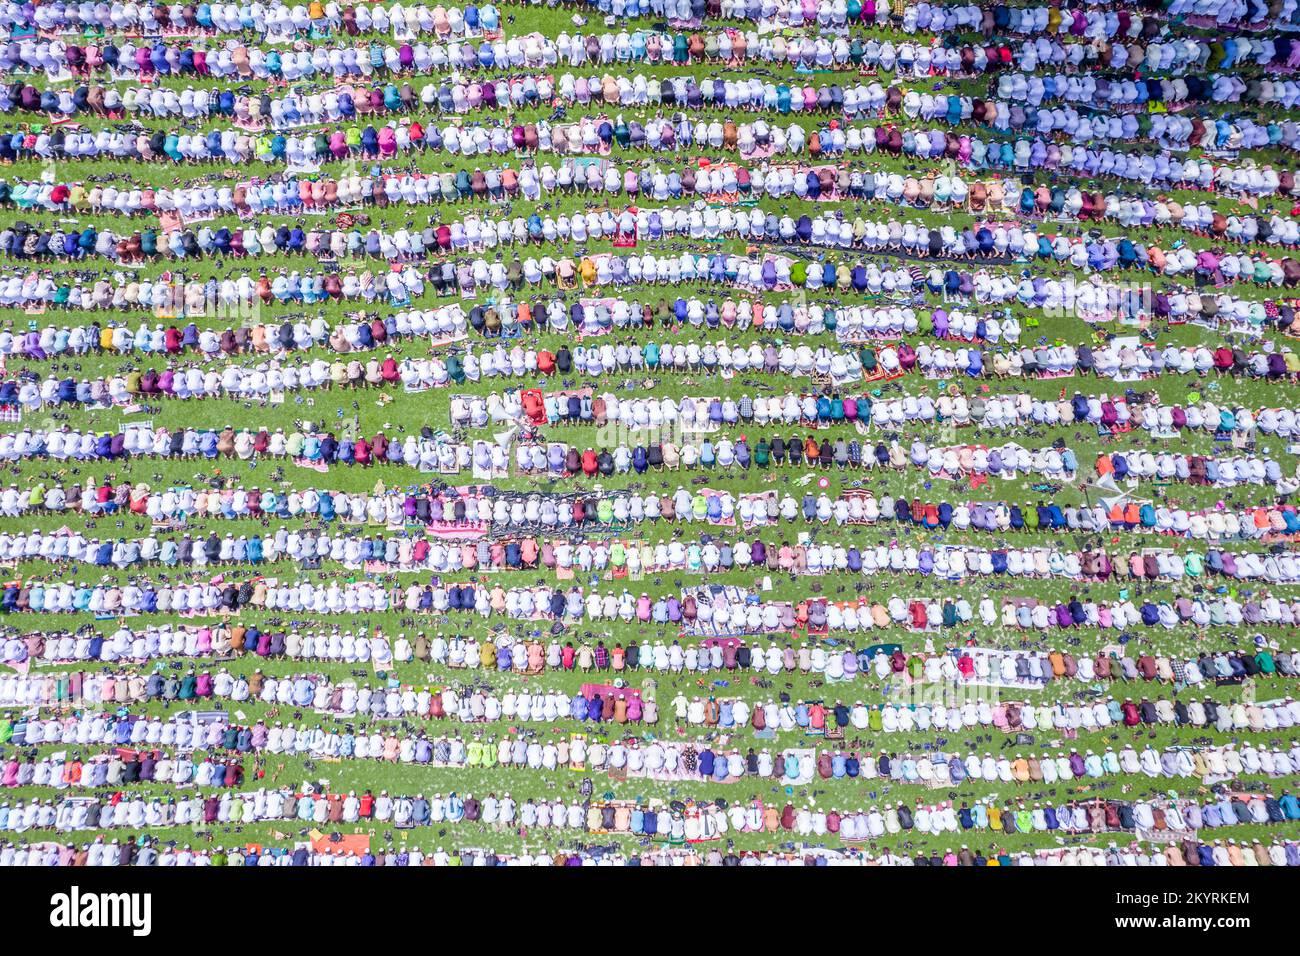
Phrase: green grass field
x=368 y=410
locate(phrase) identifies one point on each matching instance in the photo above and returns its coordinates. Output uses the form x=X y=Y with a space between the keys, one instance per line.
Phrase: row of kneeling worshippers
x=147 y=852
x=428 y=454
x=708 y=553
x=22 y=241
x=280 y=18
x=834 y=179
x=979 y=666
x=857 y=324
x=706 y=615
x=1117 y=412
x=827 y=182
x=193 y=381
x=686 y=761
x=1138 y=46
x=40 y=343
x=1017 y=137
x=523 y=514
x=614 y=704
x=402 y=281
x=919 y=615
x=275 y=18
x=702 y=821
x=532 y=406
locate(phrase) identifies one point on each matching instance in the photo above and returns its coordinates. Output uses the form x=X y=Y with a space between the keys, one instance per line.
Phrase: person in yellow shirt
x=1020 y=769
x=843 y=277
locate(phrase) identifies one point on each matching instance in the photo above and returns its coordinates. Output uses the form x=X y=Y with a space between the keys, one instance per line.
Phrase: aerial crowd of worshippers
x=649 y=433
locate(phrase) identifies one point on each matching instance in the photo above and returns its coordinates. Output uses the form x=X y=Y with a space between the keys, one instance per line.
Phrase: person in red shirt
x=918 y=614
